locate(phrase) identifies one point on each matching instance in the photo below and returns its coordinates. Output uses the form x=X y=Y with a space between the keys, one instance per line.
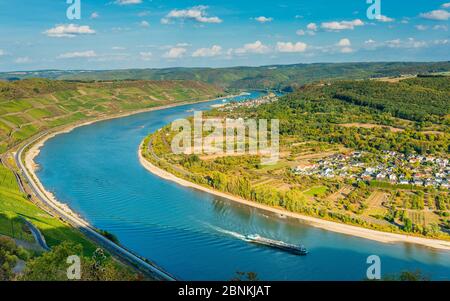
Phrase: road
x=40 y=239
x=85 y=228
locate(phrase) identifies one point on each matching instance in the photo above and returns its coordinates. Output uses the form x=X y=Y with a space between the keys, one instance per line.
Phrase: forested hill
x=410 y=116
x=277 y=76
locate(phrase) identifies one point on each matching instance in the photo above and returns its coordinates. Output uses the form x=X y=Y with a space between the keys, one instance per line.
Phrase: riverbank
x=28 y=152
x=384 y=237
x=34 y=149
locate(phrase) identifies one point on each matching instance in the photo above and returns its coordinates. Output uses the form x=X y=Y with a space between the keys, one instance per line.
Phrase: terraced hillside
x=30 y=106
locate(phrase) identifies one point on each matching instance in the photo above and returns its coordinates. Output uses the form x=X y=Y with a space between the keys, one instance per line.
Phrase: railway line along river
x=194 y=235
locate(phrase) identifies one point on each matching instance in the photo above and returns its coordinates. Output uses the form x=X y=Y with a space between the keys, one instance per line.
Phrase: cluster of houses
x=270 y=97
x=392 y=167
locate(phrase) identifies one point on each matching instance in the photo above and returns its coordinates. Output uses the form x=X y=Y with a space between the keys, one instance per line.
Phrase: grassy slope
x=14 y=205
x=30 y=106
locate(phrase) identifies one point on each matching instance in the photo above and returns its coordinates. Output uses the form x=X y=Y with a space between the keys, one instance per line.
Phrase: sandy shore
x=35 y=148
x=379 y=236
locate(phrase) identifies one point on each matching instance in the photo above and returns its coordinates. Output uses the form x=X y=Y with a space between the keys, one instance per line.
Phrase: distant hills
x=275 y=76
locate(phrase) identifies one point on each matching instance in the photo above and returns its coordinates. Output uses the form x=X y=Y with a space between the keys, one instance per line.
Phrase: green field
x=14 y=206
x=316 y=191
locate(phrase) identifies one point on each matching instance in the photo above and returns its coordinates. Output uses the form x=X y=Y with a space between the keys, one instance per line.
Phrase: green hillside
x=14 y=206
x=277 y=76
x=30 y=106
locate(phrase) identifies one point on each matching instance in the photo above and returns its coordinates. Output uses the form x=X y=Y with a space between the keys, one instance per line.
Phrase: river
x=193 y=235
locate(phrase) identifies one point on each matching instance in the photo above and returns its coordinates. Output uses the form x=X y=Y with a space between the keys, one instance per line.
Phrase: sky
x=120 y=34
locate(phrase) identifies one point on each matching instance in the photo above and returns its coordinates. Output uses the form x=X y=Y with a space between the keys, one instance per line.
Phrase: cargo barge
x=294 y=249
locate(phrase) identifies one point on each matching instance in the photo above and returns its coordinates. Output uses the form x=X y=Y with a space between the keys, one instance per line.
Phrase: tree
x=9 y=256
x=52 y=266
x=407 y=224
x=245 y=276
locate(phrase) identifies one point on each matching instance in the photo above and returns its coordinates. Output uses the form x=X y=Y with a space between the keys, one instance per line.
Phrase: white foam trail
x=229 y=233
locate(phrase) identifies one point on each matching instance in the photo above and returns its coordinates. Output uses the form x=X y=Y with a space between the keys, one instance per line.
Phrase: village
x=389 y=166
x=230 y=107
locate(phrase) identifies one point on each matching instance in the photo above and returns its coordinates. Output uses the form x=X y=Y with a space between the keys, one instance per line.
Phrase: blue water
x=193 y=235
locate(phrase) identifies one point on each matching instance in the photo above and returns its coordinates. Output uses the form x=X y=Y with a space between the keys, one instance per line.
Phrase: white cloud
x=342 y=25
x=311 y=30
x=263 y=19
x=68 y=31
x=2 y=52
x=408 y=43
x=421 y=27
x=256 y=47
x=78 y=54
x=344 y=43
x=291 y=47
x=144 y=24
x=385 y=19
x=128 y=2
x=440 y=27
x=196 y=13
x=312 y=26
x=118 y=48
x=22 y=60
x=302 y=32
x=175 y=53
x=446 y=5
x=215 y=50
x=143 y=14
x=439 y=15
x=110 y=57
x=441 y=42
x=94 y=15
x=145 y=56
x=346 y=50
x=165 y=21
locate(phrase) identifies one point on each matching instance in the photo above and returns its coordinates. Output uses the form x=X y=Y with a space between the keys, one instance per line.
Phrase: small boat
x=294 y=249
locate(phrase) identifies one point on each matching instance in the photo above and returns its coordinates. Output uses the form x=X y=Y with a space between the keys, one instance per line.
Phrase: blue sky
x=118 y=34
